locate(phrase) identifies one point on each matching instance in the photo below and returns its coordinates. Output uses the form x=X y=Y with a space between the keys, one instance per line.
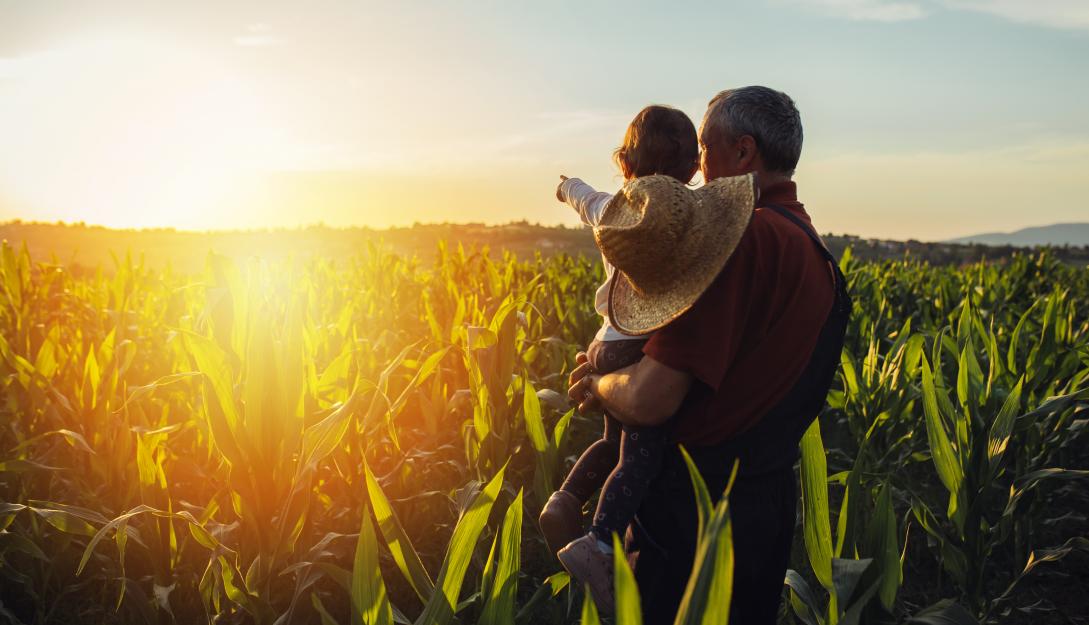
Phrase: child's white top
x=590 y=204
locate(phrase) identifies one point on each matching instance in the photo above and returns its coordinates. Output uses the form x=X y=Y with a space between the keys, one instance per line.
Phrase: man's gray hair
x=769 y=116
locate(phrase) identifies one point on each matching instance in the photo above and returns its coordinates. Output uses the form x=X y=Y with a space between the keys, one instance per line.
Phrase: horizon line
x=957 y=240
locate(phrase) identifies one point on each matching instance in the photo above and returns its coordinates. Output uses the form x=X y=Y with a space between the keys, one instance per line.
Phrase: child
x=660 y=140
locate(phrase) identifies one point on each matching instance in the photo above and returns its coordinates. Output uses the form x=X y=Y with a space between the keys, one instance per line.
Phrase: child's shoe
x=561 y=520
x=587 y=563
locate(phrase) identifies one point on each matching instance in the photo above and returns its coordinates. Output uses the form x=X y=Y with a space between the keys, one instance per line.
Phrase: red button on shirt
x=750 y=335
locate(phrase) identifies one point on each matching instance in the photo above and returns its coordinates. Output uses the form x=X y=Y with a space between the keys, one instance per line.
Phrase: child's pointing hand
x=559 y=196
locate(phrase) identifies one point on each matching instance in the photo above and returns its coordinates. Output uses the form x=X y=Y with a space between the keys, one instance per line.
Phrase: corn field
x=371 y=442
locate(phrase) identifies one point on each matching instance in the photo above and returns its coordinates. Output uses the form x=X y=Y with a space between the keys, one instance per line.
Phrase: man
x=739 y=375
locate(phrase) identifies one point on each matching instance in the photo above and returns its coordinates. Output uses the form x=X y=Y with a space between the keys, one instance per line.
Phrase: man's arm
x=647 y=393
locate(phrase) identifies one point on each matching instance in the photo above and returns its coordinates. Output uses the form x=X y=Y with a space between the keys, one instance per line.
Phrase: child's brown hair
x=660 y=140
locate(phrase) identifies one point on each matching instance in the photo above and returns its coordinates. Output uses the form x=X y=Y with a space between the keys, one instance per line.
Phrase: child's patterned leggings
x=625 y=459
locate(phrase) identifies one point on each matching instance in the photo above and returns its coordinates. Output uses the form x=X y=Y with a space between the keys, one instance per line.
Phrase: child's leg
x=641 y=451
x=595 y=464
x=599 y=459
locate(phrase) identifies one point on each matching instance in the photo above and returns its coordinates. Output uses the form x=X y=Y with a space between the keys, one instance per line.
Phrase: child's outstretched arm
x=587 y=202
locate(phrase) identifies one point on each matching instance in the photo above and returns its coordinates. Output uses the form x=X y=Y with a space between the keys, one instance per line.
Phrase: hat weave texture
x=668 y=243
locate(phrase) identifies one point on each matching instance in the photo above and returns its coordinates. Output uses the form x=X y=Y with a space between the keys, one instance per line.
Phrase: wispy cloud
x=258 y=35
x=551 y=134
x=1071 y=14
x=868 y=10
x=542 y=138
x=1067 y=14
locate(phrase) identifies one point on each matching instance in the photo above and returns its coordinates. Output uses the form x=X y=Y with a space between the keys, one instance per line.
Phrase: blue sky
x=927 y=119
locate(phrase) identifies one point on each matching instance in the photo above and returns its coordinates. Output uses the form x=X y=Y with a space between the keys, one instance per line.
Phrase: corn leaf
x=628 y=607
x=440 y=607
x=945 y=458
x=816 y=531
x=707 y=596
x=1002 y=427
x=589 y=610
x=704 y=506
x=503 y=581
x=370 y=604
x=400 y=546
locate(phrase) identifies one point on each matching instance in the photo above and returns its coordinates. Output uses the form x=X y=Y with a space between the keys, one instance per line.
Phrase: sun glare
x=149 y=135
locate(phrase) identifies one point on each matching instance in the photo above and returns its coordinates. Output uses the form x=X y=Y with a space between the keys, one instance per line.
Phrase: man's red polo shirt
x=748 y=338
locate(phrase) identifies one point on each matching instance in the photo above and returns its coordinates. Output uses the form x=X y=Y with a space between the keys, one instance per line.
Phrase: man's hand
x=581 y=383
x=559 y=195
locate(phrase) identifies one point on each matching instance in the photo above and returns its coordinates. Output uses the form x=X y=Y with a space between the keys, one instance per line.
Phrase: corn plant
x=841 y=577
x=359 y=441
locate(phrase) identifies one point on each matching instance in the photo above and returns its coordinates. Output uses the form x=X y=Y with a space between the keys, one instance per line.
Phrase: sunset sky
x=924 y=118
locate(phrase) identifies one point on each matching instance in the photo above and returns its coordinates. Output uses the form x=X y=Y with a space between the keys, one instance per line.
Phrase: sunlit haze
x=924 y=118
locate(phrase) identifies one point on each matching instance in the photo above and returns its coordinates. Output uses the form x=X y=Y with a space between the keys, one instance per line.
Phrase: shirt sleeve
x=705 y=340
x=586 y=201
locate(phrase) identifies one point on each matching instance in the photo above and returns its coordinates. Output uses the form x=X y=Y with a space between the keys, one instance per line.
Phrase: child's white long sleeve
x=586 y=201
x=590 y=204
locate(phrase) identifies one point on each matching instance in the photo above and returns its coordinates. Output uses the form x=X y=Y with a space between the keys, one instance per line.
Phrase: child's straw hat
x=668 y=243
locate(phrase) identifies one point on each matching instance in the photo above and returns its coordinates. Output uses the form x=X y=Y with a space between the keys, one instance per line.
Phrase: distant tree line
x=942 y=253
x=96 y=246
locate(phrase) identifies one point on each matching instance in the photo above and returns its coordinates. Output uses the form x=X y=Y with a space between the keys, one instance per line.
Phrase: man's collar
x=779 y=193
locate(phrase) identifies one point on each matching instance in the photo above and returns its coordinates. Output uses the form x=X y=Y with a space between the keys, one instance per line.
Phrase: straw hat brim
x=724 y=208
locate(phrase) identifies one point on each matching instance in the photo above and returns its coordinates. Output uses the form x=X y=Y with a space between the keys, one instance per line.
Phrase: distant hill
x=1074 y=234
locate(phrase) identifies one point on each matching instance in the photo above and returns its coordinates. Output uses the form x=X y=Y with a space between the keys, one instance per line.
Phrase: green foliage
x=316 y=442
x=707 y=596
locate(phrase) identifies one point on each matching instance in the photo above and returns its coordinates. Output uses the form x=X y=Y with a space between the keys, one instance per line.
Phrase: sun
x=148 y=134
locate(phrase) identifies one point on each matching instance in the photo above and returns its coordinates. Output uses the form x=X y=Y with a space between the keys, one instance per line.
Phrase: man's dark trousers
x=762 y=511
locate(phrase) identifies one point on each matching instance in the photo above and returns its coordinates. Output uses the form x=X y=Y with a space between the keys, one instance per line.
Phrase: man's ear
x=746 y=153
